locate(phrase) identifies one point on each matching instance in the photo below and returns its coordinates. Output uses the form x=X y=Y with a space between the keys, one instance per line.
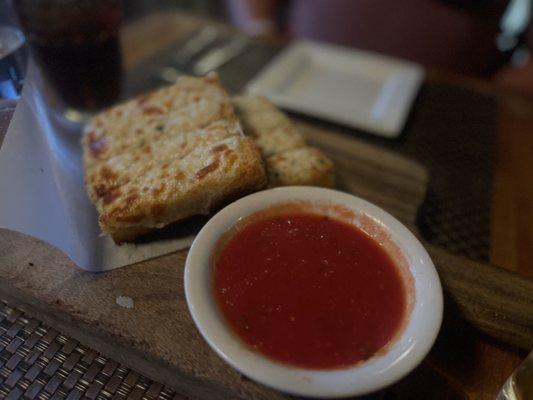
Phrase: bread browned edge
x=287 y=155
x=250 y=171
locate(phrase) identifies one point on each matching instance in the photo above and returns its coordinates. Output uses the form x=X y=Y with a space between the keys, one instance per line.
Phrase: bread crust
x=166 y=156
x=289 y=160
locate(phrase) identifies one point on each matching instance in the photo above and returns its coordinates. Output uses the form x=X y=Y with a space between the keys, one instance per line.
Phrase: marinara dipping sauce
x=309 y=290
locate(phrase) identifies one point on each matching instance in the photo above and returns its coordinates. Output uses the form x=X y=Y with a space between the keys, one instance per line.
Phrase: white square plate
x=352 y=87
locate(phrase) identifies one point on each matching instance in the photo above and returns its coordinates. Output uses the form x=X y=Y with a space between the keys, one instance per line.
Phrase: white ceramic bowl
x=402 y=356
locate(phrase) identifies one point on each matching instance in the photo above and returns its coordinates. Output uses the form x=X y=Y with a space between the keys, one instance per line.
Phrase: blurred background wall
x=490 y=39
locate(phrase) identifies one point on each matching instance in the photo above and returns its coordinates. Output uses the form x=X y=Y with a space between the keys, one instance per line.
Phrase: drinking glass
x=12 y=54
x=76 y=44
x=519 y=386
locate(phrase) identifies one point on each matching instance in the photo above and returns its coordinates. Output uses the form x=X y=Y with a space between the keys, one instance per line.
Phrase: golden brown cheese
x=166 y=156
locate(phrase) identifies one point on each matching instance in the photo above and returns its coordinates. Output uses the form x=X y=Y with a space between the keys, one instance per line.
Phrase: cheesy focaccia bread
x=166 y=156
x=289 y=161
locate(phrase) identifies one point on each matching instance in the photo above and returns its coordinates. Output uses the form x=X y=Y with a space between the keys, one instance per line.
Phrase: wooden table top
x=464 y=363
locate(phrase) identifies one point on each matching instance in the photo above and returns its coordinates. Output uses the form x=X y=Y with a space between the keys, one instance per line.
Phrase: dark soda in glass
x=76 y=43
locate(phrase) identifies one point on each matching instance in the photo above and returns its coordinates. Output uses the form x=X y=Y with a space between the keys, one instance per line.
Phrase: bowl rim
x=380 y=371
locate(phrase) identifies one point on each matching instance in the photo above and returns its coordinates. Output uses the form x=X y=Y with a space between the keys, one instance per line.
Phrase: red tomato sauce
x=309 y=291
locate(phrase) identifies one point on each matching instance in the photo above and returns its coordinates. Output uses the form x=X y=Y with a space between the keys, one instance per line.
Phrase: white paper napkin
x=42 y=192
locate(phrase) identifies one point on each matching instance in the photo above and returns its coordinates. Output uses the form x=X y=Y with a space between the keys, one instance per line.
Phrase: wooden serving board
x=157 y=336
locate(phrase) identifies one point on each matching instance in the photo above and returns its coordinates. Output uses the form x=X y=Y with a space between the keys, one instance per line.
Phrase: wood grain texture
x=157 y=337
x=146 y=37
x=494 y=300
x=392 y=182
x=512 y=211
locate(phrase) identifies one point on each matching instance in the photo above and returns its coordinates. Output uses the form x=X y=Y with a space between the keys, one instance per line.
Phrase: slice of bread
x=306 y=166
x=270 y=129
x=289 y=160
x=166 y=156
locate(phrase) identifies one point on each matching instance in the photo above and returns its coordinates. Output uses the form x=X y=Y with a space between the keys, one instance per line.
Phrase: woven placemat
x=38 y=362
